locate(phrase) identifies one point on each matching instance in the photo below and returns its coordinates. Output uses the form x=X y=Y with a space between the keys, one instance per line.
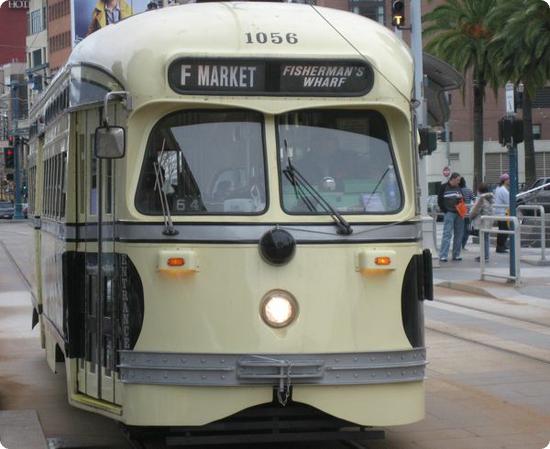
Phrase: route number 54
x=274 y=38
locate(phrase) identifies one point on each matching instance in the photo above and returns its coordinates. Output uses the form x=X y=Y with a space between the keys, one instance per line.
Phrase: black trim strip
x=253 y=242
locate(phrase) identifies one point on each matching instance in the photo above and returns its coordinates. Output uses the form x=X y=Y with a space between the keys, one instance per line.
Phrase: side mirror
x=110 y=142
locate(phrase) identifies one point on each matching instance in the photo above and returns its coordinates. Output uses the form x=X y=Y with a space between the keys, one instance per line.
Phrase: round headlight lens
x=278 y=308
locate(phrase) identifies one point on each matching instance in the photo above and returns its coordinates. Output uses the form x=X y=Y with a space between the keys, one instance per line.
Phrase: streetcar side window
x=32 y=190
x=93 y=176
x=55 y=190
x=205 y=162
x=345 y=156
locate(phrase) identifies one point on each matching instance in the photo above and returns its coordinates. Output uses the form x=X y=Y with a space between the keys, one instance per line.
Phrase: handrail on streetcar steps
x=542 y=220
x=517 y=245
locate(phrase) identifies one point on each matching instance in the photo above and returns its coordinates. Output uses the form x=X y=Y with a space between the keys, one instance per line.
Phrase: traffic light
x=8 y=157
x=398 y=13
x=428 y=141
x=510 y=130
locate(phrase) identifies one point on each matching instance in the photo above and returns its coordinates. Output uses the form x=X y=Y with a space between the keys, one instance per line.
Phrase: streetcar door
x=96 y=218
x=107 y=271
x=87 y=379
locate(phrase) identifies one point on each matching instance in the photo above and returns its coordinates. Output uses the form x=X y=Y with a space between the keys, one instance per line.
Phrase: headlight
x=278 y=308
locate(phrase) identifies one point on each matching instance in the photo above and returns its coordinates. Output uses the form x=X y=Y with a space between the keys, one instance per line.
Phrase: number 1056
x=274 y=38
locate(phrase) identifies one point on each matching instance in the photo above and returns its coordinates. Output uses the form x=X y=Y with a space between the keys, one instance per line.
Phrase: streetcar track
x=488 y=345
x=15 y=264
x=501 y=315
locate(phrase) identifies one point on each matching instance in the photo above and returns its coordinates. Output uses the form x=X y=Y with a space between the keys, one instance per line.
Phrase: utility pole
x=420 y=116
x=421 y=121
x=416 y=47
x=16 y=150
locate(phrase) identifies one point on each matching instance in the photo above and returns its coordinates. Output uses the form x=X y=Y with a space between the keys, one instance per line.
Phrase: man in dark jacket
x=449 y=196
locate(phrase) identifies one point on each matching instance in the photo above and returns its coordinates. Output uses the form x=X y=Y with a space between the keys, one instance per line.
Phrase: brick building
x=13 y=25
x=59 y=33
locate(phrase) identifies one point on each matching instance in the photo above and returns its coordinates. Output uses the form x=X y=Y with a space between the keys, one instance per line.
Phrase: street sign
x=446 y=172
x=510 y=106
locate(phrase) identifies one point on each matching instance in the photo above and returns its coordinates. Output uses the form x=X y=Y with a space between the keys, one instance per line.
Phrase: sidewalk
x=466 y=276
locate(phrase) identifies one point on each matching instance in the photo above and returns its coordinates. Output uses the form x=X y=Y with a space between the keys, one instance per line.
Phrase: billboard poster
x=89 y=16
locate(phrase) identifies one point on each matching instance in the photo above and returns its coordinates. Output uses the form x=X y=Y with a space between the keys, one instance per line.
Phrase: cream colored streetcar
x=226 y=219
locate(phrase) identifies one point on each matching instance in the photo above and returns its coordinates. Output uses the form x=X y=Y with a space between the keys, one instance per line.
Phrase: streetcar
x=226 y=214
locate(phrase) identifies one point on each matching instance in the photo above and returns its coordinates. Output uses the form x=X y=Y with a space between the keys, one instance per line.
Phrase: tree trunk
x=530 y=164
x=479 y=94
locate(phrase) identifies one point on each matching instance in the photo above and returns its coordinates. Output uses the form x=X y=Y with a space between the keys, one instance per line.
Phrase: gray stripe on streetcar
x=204 y=233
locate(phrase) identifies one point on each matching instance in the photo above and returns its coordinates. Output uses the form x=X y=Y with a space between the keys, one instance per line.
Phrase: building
x=13 y=19
x=59 y=33
x=13 y=113
x=38 y=72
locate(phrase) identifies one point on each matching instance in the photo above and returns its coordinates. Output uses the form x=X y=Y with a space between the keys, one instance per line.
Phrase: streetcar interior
x=344 y=155
x=205 y=162
x=214 y=162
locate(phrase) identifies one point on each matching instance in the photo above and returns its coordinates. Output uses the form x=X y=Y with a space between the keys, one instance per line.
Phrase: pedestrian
x=502 y=208
x=482 y=206
x=451 y=202
x=468 y=195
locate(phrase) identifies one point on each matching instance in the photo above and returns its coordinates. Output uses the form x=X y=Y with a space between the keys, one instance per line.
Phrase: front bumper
x=278 y=370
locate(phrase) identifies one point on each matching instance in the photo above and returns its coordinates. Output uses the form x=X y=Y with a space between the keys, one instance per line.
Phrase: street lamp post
x=510 y=134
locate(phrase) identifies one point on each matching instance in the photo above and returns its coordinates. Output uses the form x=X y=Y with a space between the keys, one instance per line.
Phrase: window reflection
x=205 y=162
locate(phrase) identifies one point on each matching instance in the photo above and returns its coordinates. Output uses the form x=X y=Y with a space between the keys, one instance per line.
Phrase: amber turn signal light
x=175 y=262
x=382 y=260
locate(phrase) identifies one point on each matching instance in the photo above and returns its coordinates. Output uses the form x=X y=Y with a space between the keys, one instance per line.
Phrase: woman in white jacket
x=483 y=206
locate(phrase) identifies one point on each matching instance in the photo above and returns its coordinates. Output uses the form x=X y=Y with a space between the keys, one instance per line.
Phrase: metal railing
x=434 y=229
x=517 y=245
x=536 y=189
x=542 y=219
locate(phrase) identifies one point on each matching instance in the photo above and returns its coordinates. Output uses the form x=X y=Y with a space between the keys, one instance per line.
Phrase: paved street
x=488 y=381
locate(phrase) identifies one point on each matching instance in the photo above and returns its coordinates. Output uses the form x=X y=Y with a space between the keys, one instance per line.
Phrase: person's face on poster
x=87 y=20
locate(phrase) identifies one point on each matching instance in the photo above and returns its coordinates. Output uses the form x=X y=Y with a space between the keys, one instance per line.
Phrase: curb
x=536 y=263
x=466 y=288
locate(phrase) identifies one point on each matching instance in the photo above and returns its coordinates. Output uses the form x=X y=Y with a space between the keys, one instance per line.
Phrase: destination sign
x=271 y=77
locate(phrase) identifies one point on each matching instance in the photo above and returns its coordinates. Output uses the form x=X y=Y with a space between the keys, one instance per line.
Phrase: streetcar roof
x=138 y=50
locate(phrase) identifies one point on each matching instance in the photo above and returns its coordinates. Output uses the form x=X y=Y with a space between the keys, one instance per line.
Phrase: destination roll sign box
x=271 y=77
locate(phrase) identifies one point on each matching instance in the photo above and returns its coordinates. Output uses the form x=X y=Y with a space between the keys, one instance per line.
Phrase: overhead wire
x=406 y=97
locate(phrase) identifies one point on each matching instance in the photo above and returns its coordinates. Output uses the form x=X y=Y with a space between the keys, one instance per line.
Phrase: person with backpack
x=483 y=206
x=451 y=202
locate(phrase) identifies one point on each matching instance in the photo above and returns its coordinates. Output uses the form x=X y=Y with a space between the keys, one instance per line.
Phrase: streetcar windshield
x=207 y=162
x=344 y=155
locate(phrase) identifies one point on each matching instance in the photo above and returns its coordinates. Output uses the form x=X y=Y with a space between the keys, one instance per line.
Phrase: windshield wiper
x=377 y=185
x=303 y=188
x=160 y=182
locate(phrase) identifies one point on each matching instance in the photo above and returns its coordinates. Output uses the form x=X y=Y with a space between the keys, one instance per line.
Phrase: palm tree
x=460 y=34
x=522 y=50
